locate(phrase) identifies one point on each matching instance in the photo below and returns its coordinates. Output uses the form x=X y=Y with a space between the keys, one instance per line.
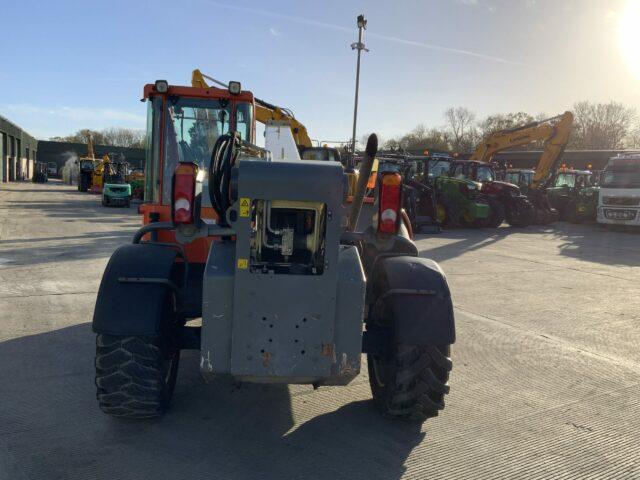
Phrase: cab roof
x=197 y=92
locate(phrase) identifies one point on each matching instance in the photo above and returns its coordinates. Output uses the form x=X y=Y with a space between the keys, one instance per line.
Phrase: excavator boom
x=554 y=131
x=264 y=111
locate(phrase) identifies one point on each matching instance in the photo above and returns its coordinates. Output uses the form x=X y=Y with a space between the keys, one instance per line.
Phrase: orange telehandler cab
x=193 y=118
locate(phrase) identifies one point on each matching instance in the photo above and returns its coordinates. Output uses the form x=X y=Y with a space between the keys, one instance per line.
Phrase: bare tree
x=392 y=144
x=82 y=136
x=502 y=121
x=602 y=126
x=460 y=123
x=115 y=136
x=421 y=138
x=633 y=138
x=123 y=137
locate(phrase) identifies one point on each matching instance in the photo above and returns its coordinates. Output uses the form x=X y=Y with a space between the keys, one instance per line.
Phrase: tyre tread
x=129 y=376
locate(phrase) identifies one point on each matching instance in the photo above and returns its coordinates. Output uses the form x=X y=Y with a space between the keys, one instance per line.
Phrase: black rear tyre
x=496 y=213
x=521 y=214
x=135 y=376
x=412 y=383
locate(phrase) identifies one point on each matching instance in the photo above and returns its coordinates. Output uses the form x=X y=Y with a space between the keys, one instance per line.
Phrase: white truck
x=619 y=197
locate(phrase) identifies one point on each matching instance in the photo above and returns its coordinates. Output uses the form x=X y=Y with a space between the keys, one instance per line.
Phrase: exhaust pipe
x=363 y=179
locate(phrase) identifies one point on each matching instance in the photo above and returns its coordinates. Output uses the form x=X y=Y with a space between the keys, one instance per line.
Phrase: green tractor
x=505 y=199
x=458 y=201
x=116 y=191
x=575 y=195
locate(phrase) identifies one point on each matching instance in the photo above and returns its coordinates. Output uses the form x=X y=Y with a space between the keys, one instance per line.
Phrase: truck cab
x=619 y=196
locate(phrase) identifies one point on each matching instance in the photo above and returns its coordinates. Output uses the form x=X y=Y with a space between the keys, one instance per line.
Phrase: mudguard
x=417 y=292
x=126 y=306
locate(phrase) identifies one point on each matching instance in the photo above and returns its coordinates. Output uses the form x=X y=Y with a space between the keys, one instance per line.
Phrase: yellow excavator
x=86 y=167
x=554 y=132
x=266 y=112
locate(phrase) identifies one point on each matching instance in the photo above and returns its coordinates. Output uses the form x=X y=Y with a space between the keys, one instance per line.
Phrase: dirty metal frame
x=342 y=306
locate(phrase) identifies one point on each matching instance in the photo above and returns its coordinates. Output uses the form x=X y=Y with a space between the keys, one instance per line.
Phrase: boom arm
x=90 y=153
x=554 y=131
x=264 y=111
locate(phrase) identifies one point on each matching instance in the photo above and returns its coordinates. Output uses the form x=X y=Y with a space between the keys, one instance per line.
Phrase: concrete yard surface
x=545 y=384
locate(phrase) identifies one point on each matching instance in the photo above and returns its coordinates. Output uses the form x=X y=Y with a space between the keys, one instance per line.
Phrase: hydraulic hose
x=363 y=178
x=223 y=158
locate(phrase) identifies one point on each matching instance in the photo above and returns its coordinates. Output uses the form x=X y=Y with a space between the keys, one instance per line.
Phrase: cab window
x=152 y=150
x=319 y=153
x=512 y=177
x=527 y=178
x=244 y=121
x=438 y=168
x=485 y=174
x=565 y=180
x=458 y=171
x=192 y=127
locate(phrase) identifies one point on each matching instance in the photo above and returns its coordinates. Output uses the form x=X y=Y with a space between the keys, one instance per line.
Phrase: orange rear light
x=184 y=193
x=390 y=202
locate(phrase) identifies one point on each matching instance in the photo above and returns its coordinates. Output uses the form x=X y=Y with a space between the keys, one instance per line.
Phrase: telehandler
x=266 y=253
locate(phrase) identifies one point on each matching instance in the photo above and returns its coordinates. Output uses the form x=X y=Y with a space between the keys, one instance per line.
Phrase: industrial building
x=18 y=152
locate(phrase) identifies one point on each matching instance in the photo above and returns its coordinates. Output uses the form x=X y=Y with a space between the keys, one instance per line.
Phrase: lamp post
x=359 y=46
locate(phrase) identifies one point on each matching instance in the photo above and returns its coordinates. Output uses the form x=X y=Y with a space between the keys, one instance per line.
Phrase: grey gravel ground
x=546 y=379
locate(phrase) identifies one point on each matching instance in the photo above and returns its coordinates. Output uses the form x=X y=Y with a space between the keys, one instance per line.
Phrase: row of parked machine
x=111 y=177
x=441 y=190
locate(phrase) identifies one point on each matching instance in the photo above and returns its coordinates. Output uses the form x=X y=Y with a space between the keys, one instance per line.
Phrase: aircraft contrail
x=387 y=38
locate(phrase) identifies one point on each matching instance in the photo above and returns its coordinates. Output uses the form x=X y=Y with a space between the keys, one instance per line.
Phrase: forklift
x=268 y=255
x=116 y=190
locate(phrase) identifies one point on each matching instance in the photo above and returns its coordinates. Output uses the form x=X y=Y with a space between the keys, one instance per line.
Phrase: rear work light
x=235 y=88
x=390 y=202
x=184 y=193
x=162 y=86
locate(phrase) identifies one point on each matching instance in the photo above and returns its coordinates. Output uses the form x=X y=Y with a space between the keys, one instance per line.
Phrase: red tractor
x=505 y=199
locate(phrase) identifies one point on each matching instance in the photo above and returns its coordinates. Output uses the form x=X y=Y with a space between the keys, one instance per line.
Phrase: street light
x=359 y=46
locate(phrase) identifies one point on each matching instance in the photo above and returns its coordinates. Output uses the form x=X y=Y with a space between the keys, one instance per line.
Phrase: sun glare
x=630 y=35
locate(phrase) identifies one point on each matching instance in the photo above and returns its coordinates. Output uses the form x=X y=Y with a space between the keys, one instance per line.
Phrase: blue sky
x=74 y=64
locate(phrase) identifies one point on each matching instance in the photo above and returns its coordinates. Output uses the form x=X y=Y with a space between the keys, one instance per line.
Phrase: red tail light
x=390 y=202
x=184 y=193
